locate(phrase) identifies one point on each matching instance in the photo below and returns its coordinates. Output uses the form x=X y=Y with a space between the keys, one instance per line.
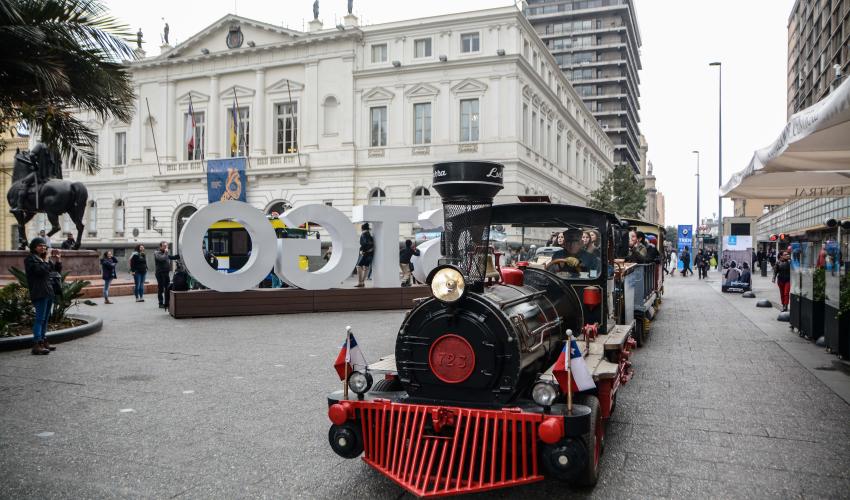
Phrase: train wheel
x=638 y=332
x=594 y=440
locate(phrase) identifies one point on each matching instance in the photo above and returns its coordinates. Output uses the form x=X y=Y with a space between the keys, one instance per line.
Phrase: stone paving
x=234 y=408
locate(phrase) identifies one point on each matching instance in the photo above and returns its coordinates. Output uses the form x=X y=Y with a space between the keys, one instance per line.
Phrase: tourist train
x=506 y=375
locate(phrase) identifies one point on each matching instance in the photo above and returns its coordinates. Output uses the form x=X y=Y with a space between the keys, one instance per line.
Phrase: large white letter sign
x=385 y=221
x=429 y=251
x=263 y=241
x=343 y=257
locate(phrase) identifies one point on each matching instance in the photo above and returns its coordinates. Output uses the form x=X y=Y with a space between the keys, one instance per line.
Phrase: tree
x=672 y=236
x=619 y=193
x=58 y=57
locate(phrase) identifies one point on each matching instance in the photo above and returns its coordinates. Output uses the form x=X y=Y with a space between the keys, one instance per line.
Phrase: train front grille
x=439 y=451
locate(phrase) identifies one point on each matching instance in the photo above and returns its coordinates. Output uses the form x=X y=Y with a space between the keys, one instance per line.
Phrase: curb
x=93 y=324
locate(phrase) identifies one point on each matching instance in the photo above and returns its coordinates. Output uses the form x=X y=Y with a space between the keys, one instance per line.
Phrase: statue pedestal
x=79 y=263
x=350 y=21
x=315 y=25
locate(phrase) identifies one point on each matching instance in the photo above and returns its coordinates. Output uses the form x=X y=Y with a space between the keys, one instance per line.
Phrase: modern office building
x=597 y=45
x=342 y=115
x=818 y=50
x=818 y=59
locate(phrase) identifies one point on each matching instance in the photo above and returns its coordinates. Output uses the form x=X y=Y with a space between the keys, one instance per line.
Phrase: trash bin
x=763 y=266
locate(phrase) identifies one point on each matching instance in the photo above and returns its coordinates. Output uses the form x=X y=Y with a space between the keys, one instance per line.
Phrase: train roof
x=638 y=223
x=549 y=215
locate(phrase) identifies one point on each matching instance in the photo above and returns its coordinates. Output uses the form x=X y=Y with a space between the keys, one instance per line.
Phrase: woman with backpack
x=139 y=268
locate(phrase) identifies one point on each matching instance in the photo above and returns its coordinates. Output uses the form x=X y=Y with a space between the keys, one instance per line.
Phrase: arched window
x=422 y=199
x=91 y=218
x=278 y=207
x=377 y=197
x=182 y=216
x=118 y=217
x=331 y=105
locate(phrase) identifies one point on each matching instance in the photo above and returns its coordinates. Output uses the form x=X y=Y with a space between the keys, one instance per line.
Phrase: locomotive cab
x=496 y=383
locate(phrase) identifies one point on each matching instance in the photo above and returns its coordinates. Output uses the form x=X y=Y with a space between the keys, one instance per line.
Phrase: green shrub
x=15 y=308
x=844 y=300
x=819 y=285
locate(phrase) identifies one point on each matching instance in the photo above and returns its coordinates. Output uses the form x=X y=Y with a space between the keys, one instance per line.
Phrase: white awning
x=809 y=159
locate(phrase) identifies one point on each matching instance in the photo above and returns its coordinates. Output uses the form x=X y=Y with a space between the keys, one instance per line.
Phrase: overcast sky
x=678 y=89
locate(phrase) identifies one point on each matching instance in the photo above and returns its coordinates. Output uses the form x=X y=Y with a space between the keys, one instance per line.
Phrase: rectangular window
x=422 y=123
x=558 y=147
x=422 y=48
x=534 y=131
x=121 y=148
x=378 y=134
x=238 y=138
x=469 y=120
x=286 y=128
x=470 y=42
x=379 y=53
x=148 y=219
x=196 y=152
x=525 y=124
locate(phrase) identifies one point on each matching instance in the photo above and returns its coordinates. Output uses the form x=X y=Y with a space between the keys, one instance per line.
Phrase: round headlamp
x=447 y=284
x=360 y=382
x=544 y=393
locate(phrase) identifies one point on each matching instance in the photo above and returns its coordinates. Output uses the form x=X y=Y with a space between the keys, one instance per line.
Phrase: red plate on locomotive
x=451 y=359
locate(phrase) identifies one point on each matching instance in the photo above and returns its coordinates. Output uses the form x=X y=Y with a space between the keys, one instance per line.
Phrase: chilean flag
x=189 y=137
x=582 y=379
x=350 y=354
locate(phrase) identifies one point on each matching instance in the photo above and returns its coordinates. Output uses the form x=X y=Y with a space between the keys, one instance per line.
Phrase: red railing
x=438 y=451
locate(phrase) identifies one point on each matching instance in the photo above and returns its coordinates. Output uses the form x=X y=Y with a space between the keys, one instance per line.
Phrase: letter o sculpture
x=263 y=245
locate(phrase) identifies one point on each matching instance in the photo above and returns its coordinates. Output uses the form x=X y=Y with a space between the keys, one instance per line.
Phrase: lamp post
x=719 y=157
x=696 y=233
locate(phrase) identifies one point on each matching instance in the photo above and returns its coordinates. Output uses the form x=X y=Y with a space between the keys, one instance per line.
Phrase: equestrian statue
x=37 y=187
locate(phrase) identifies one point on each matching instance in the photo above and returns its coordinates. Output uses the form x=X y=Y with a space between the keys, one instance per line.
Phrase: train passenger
x=637 y=250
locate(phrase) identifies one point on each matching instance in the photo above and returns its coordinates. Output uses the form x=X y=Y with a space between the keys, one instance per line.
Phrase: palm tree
x=59 y=57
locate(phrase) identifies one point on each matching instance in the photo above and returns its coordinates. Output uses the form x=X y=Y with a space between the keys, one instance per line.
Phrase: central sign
x=268 y=253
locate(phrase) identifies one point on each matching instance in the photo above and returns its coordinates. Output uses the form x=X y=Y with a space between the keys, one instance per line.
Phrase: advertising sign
x=226 y=180
x=737 y=263
x=685 y=240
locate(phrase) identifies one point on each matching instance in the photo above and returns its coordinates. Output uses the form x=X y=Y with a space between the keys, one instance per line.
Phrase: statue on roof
x=165 y=34
x=139 y=38
x=350 y=6
x=316 y=9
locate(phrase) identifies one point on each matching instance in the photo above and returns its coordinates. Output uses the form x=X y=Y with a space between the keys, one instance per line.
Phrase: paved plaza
x=720 y=406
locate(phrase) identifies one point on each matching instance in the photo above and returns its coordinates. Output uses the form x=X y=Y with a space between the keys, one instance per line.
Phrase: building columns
x=258 y=137
x=212 y=125
x=169 y=112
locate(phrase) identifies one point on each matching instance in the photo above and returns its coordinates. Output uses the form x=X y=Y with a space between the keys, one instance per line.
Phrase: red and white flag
x=189 y=137
x=581 y=378
x=351 y=355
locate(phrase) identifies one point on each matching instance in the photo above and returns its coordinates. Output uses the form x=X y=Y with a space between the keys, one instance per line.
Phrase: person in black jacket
x=107 y=268
x=38 y=269
x=404 y=257
x=367 y=251
x=139 y=268
x=162 y=267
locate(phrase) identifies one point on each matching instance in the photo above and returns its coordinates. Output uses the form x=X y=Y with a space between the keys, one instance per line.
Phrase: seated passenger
x=637 y=251
x=578 y=260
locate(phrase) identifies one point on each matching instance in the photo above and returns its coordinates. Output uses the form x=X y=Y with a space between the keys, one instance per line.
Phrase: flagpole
x=238 y=118
x=153 y=136
x=569 y=373
x=347 y=357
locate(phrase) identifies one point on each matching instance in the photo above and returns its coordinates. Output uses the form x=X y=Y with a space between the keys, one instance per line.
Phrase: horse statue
x=37 y=187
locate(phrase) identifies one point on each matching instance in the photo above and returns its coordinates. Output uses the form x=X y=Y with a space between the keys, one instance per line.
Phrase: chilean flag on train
x=582 y=379
x=351 y=354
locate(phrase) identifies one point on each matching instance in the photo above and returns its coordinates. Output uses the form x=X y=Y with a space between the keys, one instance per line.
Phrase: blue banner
x=226 y=179
x=685 y=240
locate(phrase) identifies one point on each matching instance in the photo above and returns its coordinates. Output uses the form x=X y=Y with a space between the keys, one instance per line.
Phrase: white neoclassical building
x=343 y=116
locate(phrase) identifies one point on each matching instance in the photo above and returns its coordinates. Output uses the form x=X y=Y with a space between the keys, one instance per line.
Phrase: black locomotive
x=480 y=392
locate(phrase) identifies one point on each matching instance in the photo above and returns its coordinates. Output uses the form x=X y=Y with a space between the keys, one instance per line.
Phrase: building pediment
x=232 y=32
x=284 y=85
x=378 y=94
x=469 y=86
x=193 y=97
x=422 y=90
x=237 y=90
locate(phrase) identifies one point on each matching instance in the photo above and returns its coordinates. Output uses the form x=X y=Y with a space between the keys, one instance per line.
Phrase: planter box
x=92 y=324
x=811 y=318
x=837 y=332
x=794 y=306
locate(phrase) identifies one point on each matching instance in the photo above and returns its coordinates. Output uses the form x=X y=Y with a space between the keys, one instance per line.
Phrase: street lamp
x=696 y=233
x=719 y=156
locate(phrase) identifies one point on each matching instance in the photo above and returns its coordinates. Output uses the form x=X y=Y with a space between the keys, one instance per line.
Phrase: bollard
x=763 y=266
x=764 y=303
x=749 y=295
x=784 y=316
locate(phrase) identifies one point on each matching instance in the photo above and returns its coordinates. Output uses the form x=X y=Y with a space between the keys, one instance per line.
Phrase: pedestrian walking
x=404 y=257
x=367 y=251
x=782 y=278
x=107 y=271
x=685 y=257
x=162 y=271
x=42 y=282
x=139 y=268
x=673 y=262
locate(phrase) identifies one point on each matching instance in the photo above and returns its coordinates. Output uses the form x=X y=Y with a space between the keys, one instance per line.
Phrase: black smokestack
x=467 y=189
